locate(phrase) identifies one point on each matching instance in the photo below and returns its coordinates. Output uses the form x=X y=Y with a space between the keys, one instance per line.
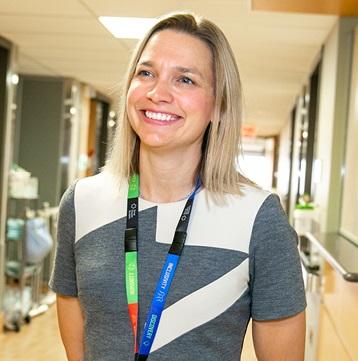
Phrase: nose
x=160 y=92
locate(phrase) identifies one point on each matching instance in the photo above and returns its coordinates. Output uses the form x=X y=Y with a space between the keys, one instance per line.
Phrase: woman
x=174 y=157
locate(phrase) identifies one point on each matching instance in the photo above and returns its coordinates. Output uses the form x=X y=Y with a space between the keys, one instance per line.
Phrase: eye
x=144 y=73
x=186 y=80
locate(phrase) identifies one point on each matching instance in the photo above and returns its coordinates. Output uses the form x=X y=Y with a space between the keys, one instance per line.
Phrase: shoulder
x=271 y=218
x=246 y=204
x=253 y=196
x=98 y=200
x=260 y=213
x=271 y=230
x=99 y=188
x=89 y=189
x=229 y=223
x=101 y=184
x=250 y=201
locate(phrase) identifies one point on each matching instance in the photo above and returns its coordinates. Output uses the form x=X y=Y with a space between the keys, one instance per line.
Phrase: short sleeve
x=63 y=278
x=276 y=283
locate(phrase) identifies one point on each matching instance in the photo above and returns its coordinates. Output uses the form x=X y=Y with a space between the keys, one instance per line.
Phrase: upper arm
x=276 y=283
x=64 y=282
x=276 y=286
x=280 y=340
x=63 y=279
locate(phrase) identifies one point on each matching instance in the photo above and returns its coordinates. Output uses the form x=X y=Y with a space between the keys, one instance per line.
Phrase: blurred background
x=61 y=67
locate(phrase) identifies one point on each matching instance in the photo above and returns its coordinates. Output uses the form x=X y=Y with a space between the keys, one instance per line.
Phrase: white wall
x=256 y=161
x=326 y=109
x=284 y=163
x=296 y=156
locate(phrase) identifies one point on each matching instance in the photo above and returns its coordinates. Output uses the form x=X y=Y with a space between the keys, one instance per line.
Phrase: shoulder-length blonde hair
x=221 y=144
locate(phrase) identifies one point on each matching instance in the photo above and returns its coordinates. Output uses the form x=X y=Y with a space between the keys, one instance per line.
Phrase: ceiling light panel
x=127 y=27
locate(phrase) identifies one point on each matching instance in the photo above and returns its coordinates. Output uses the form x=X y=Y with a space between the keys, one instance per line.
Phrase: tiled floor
x=41 y=341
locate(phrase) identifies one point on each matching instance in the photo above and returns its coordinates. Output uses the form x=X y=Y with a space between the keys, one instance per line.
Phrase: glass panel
x=349 y=224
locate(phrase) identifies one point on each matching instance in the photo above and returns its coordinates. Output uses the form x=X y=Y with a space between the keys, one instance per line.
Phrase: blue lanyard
x=167 y=273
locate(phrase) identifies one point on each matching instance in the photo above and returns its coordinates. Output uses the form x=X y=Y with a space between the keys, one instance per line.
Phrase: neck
x=167 y=176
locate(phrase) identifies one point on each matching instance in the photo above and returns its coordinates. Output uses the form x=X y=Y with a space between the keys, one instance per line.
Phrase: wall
x=344 y=65
x=6 y=116
x=326 y=106
x=84 y=126
x=284 y=163
x=296 y=156
x=41 y=119
x=4 y=53
x=332 y=120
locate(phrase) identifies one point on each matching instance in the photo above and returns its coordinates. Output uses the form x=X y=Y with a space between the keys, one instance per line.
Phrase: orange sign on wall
x=333 y=7
x=248 y=130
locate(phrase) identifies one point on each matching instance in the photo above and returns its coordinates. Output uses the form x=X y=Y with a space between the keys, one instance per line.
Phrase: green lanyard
x=131 y=256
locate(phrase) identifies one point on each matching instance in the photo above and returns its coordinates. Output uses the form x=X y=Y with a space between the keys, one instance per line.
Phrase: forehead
x=179 y=48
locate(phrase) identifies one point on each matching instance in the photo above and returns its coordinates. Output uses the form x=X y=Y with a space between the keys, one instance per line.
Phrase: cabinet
x=338 y=318
x=330 y=346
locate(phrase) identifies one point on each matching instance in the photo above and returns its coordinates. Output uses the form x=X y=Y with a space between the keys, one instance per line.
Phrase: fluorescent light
x=127 y=28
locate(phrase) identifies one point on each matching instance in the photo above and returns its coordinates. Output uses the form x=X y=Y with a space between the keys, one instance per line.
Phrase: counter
x=340 y=253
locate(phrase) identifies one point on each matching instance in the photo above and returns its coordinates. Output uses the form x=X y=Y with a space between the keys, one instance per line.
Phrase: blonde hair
x=221 y=144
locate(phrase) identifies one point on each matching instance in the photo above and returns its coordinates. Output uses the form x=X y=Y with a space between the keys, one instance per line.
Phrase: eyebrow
x=182 y=69
x=179 y=68
x=146 y=63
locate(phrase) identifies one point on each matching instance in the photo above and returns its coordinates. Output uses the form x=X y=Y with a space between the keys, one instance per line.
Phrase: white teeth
x=160 y=116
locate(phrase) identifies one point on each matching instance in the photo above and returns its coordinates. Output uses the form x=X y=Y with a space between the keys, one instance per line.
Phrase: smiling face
x=171 y=96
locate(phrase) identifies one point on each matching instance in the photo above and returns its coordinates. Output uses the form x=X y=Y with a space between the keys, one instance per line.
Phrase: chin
x=154 y=142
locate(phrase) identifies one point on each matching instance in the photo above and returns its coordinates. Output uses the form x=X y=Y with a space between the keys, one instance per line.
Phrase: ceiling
x=276 y=52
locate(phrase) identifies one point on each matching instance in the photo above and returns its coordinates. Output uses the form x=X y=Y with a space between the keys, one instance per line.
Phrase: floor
x=41 y=341
x=38 y=341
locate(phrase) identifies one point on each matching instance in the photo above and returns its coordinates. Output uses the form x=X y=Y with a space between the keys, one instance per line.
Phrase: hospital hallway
x=288 y=123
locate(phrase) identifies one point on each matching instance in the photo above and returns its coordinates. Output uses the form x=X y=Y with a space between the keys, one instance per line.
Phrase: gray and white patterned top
x=240 y=261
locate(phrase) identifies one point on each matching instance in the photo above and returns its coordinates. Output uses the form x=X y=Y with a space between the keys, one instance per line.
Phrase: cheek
x=131 y=97
x=135 y=92
x=195 y=102
x=131 y=101
x=200 y=106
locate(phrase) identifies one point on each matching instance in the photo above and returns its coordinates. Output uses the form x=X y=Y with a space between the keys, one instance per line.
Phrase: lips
x=161 y=116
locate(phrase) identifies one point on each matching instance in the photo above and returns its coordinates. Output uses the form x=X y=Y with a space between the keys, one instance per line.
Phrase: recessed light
x=14 y=79
x=127 y=27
